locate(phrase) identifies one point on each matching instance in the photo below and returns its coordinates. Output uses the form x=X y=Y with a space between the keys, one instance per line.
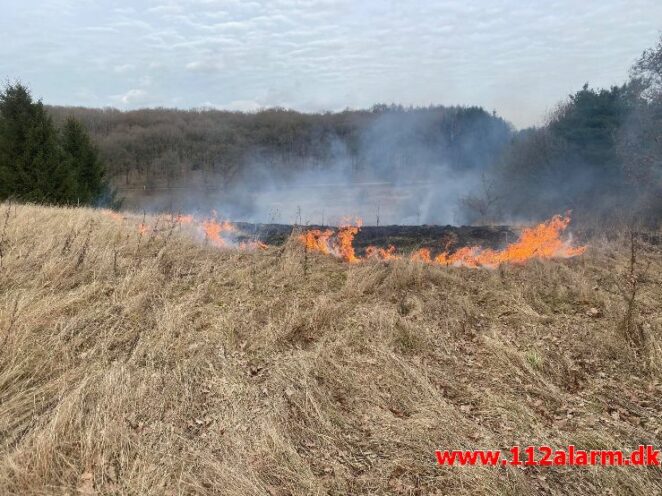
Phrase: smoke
x=597 y=156
x=402 y=167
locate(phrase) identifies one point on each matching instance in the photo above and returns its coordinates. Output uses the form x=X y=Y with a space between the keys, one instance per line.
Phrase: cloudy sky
x=518 y=57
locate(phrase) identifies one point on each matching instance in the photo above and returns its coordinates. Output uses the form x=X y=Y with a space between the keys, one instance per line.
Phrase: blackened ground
x=405 y=238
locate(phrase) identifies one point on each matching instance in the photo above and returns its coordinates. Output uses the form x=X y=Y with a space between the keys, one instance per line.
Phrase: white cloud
x=98 y=29
x=123 y=68
x=131 y=97
x=517 y=57
x=170 y=8
x=207 y=65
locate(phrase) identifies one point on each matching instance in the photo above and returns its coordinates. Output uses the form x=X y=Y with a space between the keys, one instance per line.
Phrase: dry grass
x=156 y=365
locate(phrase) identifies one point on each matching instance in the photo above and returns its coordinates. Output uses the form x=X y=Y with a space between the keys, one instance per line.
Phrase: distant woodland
x=156 y=147
x=598 y=154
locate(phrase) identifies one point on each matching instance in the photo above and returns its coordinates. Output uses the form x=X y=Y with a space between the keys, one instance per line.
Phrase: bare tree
x=483 y=206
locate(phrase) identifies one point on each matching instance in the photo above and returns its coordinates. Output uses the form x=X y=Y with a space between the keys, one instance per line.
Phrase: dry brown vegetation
x=153 y=364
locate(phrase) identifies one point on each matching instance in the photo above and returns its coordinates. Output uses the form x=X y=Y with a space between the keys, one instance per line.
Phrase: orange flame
x=422 y=255
x=329 y=242
x=382 y=253
x=113 y=215
x=542 y=242
x=317 y=240
x=183 y=219
x=214 y=231
x=253 y=245
x=345 y=239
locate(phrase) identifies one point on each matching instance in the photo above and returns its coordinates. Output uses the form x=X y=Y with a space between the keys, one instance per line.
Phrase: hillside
x=137 y=362
x=154 y=154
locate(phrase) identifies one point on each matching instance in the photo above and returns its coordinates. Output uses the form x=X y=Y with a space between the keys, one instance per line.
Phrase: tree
x=32 y=163
x=37 y=163
x=640 y=139
x=647 y=72
x=482 y=206
x=17 y=114
x=84 y=160
x=47 y=175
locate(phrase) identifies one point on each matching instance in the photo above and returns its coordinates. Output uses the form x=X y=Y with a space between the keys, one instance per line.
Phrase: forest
x=155 y=146
x=598 y=154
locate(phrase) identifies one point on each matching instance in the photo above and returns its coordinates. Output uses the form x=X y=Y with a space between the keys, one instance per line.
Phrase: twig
x=86 y=246
x=633 y=333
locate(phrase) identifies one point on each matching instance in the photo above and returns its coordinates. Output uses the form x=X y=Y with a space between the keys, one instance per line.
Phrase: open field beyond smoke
x=153 y=364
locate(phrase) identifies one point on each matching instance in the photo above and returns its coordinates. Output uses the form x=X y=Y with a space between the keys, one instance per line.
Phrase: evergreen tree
x=17 y=114
x=39 y=164
x=589 y=122
x=46 y=174
x=84 y=160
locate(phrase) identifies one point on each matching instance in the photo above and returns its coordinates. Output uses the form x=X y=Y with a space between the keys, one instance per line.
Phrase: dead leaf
x=594 y=312
x=86 y=485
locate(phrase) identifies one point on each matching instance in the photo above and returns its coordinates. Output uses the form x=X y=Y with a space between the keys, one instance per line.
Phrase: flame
x=542 y=242
x=422 y=255
x=382 y=253
x=538 y=242
x=184 y=219
x=253 y=245
x=328 y=242
x=113 y=215
x=214 y=231
x=467 y=256
x=345 y=239
x=317 y=240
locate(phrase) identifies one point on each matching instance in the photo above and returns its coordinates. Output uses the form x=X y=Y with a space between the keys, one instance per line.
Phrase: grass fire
x=543 y=241
x=330 y=248
x=272 y=369
x=540 y=242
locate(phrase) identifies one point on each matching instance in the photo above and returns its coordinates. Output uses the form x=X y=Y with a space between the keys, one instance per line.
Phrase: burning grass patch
x=159 y=365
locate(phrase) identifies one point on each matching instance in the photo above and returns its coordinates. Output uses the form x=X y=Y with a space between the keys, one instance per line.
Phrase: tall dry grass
x=153 y=364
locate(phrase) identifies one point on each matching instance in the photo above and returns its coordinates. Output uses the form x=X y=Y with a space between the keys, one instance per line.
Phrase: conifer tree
x=37 y=163
x=46 y=173
x=16 y=119
x=84 y=159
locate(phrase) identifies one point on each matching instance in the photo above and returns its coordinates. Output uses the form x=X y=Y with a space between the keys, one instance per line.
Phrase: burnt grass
x=152 y=362
x=405 y=238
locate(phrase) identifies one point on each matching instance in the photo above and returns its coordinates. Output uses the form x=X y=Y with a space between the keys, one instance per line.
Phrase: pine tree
x=17 y=114
x=46 y=173
x=84 y=159
x=39 y=164
x=32 y=165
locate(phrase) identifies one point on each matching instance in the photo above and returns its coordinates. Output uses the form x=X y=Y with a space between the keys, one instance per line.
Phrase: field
x=151 y=363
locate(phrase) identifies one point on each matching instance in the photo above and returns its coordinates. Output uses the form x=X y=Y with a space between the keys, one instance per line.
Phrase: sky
x=517 y=57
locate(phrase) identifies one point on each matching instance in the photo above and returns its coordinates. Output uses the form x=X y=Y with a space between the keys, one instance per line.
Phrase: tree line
x=42 y=163
x=598 y=154
x=160 y=147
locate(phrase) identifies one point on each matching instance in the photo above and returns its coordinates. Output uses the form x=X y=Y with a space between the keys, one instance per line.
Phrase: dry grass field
x=152 y=364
